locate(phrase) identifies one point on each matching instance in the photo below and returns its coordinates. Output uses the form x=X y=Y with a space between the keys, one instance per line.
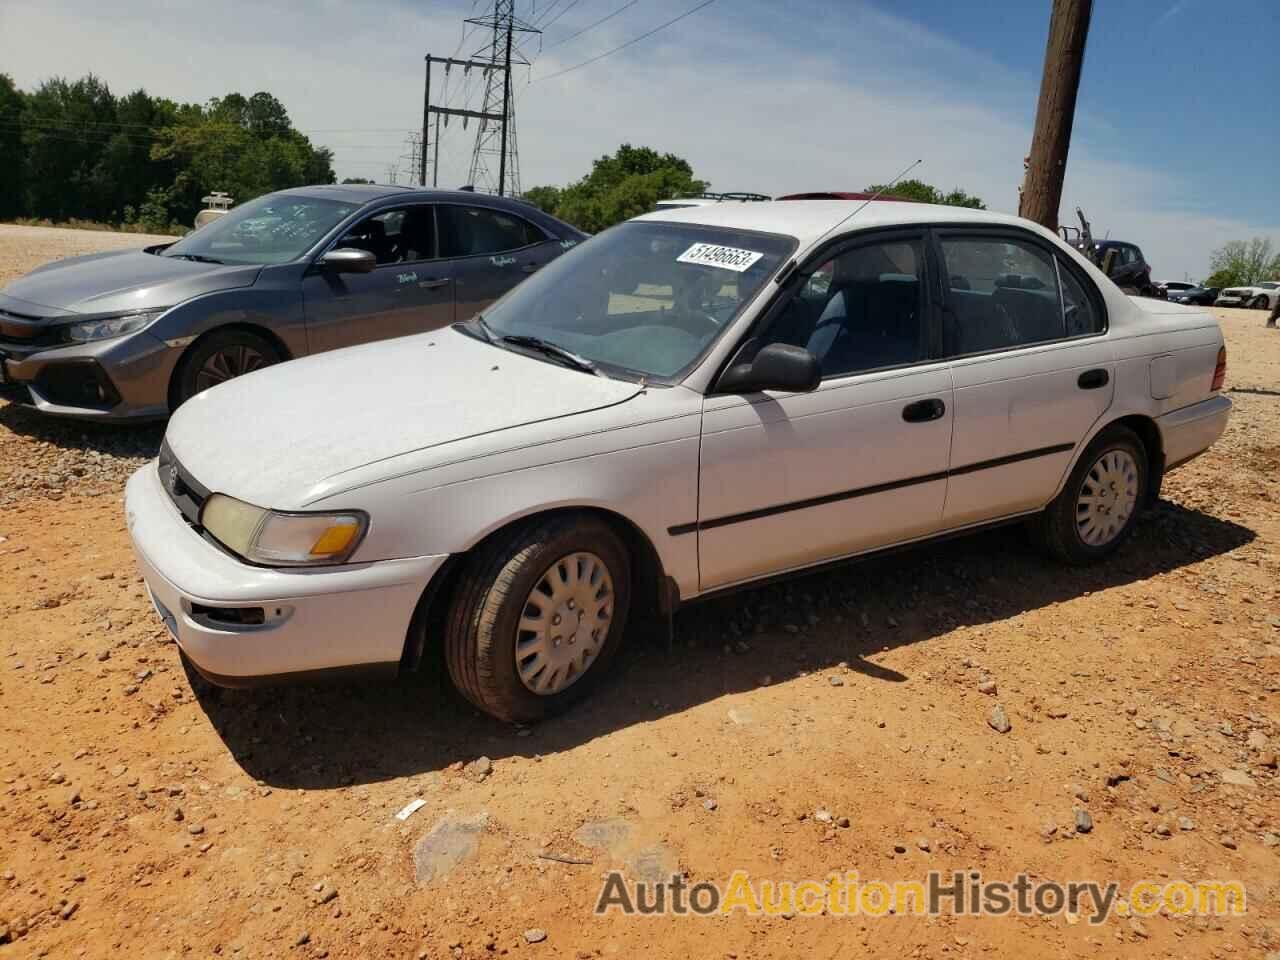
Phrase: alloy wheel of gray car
x=1259 y=302
x=218 y=357
x=228 y=363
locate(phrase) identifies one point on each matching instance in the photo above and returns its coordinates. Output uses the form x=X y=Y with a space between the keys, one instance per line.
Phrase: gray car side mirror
x=349 y=260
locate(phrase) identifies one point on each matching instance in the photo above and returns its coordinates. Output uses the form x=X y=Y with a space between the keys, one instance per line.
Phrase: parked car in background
x=670 y=411
x=1260 y=296
x=216 y=206
x=1172 y=287
x=135 y=334
x=1200 y=296
x=1129 y=268
x=708 y=199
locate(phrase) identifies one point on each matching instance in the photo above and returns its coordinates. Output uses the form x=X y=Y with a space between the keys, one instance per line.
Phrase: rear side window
x=1003 y=293
x=1080 y=310
x=478 y=231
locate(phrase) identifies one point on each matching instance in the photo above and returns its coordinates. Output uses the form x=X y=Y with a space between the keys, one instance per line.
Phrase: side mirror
x=349 y=260
x=779 y=366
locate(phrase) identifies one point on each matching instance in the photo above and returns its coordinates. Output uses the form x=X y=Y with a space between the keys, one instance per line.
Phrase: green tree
x=1239 y=263
x=621 y=185
x=927 y=193
x=12 y=151
x=65 y=128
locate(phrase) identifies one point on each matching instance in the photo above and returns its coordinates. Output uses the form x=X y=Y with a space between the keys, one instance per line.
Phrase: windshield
x=276 y=228
x=646 y=298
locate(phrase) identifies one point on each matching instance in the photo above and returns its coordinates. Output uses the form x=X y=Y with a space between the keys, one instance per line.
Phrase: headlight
x=283 y=539
x=106 y=327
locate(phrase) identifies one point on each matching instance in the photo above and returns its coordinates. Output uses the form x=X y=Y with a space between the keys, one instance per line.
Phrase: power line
x=623 y=46
x=571 y=5
x=574 y=36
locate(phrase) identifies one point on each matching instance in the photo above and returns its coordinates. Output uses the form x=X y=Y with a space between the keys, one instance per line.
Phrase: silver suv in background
x=134 y=334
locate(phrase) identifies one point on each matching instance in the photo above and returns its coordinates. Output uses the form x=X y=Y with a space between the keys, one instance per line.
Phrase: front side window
x=861 y=310
x=478 y=231
x=643 y=298
x=1002 y=293
x=276 y=228
x=401 y=235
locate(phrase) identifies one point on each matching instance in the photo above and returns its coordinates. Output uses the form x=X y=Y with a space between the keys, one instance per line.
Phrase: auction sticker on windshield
x=712 y=255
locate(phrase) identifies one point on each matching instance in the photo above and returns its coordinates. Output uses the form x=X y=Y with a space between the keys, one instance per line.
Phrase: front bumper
x=1229 y=302
x=353 y=617
x=1190 y=431
x=125 y=378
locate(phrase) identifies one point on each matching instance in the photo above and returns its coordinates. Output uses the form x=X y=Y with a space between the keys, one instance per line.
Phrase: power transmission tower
x=496 y=139
x=1055 y=113
x=414 y=157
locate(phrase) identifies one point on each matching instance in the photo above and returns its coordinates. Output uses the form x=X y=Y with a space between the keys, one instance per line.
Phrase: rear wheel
x=1099 y=504
x=218 y=357
x=537 y=616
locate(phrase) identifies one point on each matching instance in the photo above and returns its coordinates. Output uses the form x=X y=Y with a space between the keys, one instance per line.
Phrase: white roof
x=809 y=220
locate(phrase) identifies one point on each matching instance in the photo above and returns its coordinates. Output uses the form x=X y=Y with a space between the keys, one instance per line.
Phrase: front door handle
x=433 y=284
x=922 y=411
x=1093 y=379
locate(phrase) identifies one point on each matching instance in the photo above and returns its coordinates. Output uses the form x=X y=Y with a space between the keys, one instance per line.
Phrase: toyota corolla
x=693 y=401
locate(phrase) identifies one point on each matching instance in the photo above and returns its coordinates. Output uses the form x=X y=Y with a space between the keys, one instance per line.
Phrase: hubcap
x=1108 y=497
x=228 y=363
x=564 y=623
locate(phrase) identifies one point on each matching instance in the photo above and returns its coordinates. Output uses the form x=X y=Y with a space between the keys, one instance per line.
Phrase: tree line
x=1241 y=263
x=629 y=182
x=74 y=150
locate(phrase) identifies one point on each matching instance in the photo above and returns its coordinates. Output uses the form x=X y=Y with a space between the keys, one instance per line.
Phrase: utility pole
x=498 y=135
x=1041 y=193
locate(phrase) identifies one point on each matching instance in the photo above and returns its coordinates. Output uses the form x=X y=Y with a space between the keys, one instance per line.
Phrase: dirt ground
x=141 y=820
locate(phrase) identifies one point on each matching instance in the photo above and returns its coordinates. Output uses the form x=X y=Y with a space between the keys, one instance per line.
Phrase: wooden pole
x=1047 y=164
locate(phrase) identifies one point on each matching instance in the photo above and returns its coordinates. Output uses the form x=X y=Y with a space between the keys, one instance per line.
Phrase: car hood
x=278 y=437
x=121 y=280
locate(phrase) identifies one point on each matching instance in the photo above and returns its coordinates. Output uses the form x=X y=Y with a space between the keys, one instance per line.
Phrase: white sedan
x=690 y=402
x=1263 y=295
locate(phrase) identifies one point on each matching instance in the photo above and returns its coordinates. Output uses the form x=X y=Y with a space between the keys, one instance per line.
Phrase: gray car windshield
x=643 y=297
x=273 y=229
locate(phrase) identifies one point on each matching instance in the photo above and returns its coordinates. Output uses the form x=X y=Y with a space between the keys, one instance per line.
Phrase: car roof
x=809 y=220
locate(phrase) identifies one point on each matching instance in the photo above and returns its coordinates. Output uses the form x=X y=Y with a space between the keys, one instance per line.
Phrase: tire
x=1260 y=302
x=493 y=605
x=240 y=352
x=1078 y=532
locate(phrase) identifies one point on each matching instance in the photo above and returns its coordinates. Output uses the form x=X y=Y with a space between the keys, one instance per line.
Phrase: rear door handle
x=1093 y=379
x=530 y=267
x=922 y=411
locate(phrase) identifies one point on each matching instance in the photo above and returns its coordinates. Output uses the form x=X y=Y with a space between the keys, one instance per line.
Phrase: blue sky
x=1177 y=130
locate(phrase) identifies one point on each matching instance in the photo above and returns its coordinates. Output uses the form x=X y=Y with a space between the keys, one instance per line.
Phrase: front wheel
x=537 y=616
x=1259 y=302
x=218 y=357
x=1098 y=507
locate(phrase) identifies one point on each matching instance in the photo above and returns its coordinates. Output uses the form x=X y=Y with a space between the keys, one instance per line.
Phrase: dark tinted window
x=861 y=310
x=476 y=231
x=1083 y=316
x=402 y=235
x=1003 y=293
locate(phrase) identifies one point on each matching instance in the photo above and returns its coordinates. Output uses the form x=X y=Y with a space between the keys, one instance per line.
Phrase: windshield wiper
x=551 y=350
x=196 y=257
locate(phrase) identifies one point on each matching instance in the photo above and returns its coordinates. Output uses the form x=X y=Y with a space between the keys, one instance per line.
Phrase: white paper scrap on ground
x=410 y=808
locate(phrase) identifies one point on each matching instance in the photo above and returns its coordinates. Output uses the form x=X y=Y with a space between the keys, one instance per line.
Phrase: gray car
x=132 y=335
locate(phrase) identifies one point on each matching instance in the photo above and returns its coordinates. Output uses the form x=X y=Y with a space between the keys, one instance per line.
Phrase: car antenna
x=785 y=275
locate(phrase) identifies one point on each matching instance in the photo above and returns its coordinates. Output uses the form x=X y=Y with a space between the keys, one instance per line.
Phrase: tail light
x=1220 y=371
